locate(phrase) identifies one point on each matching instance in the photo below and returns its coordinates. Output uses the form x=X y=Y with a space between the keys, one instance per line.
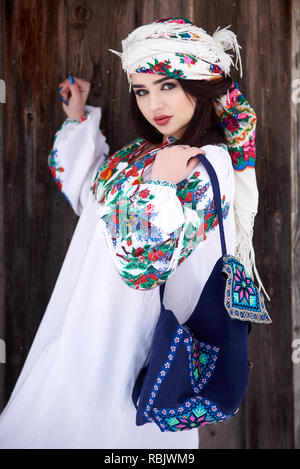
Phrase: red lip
x=162 y=120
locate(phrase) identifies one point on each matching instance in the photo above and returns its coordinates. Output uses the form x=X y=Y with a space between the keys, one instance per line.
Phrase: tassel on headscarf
x=228 y=41
x=238 y=120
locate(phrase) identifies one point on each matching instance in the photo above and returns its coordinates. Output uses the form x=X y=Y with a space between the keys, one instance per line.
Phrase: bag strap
x=217 y=198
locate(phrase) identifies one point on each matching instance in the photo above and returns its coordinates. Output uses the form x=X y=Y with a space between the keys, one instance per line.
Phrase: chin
x=169 y=131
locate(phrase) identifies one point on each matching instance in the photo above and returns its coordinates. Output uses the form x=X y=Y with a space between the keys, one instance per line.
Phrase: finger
x=65 y=92
x=69 y=90
x=196 y=151
x=82 y=84
x=192 y=163
x=75 y=91
x=63 y=88
x=67 y=82
x=79 y=80
x=190 y=153
x=65 y=99
x=193 y=153
x=63 y=83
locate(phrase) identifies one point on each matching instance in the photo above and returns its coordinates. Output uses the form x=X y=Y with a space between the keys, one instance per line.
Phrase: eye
x=140 y=92
x=170 y=85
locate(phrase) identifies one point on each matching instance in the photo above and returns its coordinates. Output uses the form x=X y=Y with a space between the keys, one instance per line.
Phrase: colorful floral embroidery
x=161 y=68
x=178 y=65
x=160 y=182
x=179 y=20
x=192 y=413
x=202 y=361
x=179 y=335
x=187 y=59
x=213 y=68
x=195 y=411
x=56 y=169
x=138 y=213
x=243 y=300
x=77 y=121
x=144 y=254
x=105 y=174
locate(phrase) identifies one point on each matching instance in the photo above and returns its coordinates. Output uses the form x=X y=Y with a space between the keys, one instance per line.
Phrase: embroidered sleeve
x=79 y=148
x=238 y=120
x=154 y=226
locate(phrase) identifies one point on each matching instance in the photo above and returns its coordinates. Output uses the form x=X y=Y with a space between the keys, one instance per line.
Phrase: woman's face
x=158 y=96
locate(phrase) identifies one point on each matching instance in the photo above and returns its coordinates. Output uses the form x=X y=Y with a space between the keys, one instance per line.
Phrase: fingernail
x=71 y=80
x=64 y=101
x=60 y=89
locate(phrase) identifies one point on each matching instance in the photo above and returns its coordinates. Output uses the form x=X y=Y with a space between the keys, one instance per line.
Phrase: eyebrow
x=155 y=82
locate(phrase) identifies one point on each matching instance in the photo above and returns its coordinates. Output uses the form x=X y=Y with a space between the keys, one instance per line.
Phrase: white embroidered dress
x=74 y=390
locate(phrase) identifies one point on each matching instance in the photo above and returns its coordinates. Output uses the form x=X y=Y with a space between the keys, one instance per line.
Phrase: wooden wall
x=2 y=279
x=44 y=42
x=295 y=198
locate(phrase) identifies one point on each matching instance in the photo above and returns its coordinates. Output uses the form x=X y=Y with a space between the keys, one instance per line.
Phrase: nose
x=156 y=102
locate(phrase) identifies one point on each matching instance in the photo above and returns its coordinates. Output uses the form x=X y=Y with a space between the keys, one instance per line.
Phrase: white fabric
x=74 y=390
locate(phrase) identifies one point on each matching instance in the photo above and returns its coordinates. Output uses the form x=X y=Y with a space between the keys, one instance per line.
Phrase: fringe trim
x=244 y=250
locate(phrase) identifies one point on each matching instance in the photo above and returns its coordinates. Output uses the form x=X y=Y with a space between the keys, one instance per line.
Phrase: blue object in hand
x=71 y=80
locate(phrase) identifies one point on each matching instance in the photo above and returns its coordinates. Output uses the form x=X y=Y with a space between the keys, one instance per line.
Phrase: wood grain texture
x=32 y=203
x=153 y=10
x=269 y=406
x=295 y=201
x=90 y=35
x=2 y=208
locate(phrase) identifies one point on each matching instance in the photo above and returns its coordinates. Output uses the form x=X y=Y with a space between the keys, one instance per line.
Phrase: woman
x=146 y=216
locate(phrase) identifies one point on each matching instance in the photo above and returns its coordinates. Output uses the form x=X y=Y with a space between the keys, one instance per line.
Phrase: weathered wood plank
x=2 y=208
x=28 y=67
x=264 y=30
x=153 y=10
x=109 y=88
x=295 y=201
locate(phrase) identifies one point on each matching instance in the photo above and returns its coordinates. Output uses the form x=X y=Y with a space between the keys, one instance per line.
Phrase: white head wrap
x=178 y=42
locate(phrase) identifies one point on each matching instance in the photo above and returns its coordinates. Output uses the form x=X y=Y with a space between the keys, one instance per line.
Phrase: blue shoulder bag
x=198 y=371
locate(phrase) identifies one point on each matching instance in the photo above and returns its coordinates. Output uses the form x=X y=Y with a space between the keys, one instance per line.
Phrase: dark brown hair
x=204 y=127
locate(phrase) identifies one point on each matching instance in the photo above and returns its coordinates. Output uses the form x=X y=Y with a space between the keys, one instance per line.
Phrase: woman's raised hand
x=175 y=163
x=74 y=96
